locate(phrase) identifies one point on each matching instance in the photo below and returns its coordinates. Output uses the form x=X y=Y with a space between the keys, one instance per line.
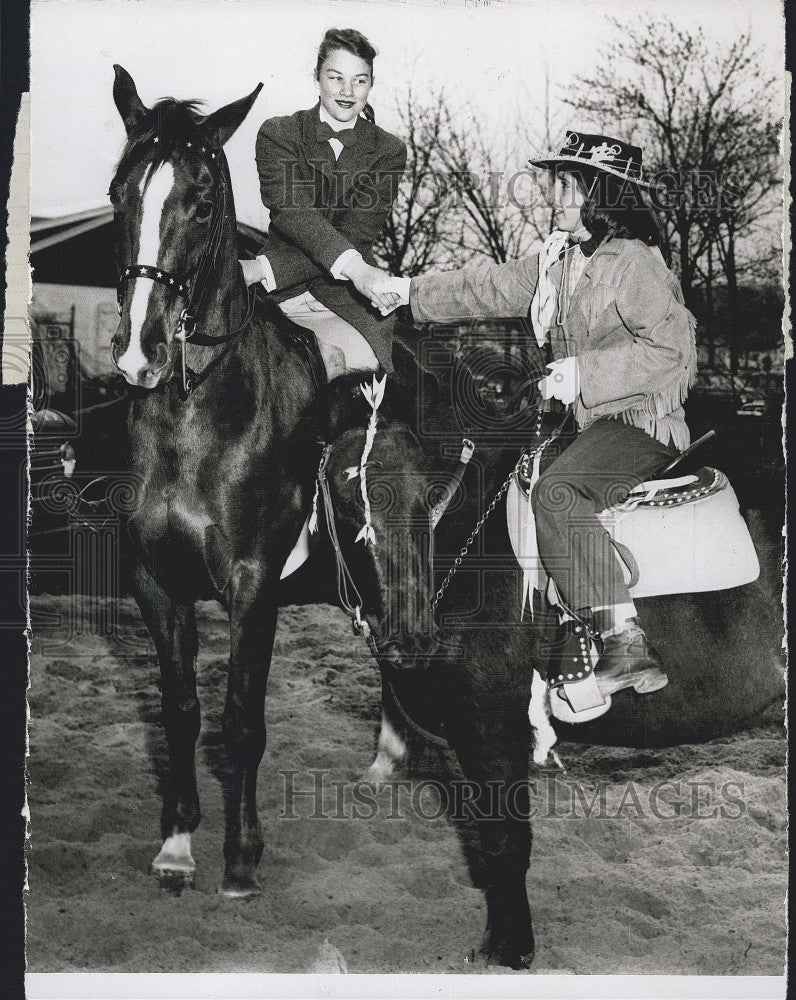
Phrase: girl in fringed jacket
x=624 y=352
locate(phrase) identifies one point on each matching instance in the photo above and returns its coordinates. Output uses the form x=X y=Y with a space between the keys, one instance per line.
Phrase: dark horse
x=226 y=478
x=226 y=453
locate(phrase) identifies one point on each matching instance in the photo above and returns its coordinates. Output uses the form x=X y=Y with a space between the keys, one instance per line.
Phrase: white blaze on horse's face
x=134 y=364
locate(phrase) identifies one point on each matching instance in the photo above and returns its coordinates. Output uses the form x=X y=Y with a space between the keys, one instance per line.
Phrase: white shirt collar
x=333 y=123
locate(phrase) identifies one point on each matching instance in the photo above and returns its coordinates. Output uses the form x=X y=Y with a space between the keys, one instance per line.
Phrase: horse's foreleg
x=391 y=748
x=253 y=611
x=499 y=804
x=173 y=629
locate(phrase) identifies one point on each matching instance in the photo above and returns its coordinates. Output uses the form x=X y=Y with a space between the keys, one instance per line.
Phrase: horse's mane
x=172 y=123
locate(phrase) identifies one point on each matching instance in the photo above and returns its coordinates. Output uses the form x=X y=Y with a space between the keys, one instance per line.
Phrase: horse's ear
x=223 y=123
x=128 y=103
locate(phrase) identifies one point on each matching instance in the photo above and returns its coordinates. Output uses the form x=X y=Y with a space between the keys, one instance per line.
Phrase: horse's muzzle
x=139 y=371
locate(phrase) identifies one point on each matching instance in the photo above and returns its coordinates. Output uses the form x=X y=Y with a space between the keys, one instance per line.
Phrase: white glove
x=563 y=382
x=397 y=288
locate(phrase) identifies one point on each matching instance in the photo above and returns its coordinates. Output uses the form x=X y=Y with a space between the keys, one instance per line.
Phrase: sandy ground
x=680 y=868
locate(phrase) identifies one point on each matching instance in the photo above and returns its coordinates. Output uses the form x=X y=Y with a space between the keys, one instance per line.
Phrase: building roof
x=79 y=248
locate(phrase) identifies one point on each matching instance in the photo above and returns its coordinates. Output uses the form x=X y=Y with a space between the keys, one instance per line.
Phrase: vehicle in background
x=768 y=386
x=753 y=408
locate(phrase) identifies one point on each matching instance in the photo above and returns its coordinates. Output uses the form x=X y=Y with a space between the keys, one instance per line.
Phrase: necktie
x=346 y=136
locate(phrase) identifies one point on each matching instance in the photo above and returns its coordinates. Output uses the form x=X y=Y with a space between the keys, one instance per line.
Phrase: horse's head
x=174 y=209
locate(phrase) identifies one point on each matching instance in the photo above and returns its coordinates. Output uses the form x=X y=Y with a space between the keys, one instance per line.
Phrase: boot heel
x=653 y=681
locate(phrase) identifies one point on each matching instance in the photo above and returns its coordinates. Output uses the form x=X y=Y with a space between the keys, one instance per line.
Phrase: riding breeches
x=342 y=346
x=598 y=470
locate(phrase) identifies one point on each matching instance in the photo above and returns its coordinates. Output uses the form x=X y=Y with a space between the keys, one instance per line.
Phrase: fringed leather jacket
x=626 y=322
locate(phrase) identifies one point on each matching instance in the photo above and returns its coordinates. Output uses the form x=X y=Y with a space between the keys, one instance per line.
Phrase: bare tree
x=414 y=236
x=466 y=194
x=492 y=191
x=739 y=225
x=705 y=115
x=542 y=129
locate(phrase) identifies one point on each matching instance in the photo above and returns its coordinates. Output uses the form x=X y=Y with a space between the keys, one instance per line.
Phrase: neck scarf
x=543 y=304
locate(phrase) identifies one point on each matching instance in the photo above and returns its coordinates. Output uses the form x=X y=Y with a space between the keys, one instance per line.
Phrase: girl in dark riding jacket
x=328 y=176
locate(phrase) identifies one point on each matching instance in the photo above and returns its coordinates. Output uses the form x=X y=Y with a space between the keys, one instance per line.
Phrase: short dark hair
x=616 y=207
x=348 y=39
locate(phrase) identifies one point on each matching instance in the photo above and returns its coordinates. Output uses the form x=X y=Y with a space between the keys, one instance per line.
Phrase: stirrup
x=574 y=694
x=580 y=702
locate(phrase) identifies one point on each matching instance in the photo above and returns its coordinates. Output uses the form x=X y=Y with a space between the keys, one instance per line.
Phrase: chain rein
x=523 y=463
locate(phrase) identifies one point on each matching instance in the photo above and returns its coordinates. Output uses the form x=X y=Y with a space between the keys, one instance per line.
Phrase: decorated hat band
x=600 y=151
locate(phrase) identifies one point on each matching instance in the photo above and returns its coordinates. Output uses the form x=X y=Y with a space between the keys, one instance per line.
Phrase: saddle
x=673 y=536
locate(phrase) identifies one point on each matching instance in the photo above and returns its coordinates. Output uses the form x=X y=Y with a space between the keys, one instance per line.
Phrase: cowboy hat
x=599 y=151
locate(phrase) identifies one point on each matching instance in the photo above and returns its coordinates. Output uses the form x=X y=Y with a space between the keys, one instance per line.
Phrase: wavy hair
x=353 y=41
x=616 y=208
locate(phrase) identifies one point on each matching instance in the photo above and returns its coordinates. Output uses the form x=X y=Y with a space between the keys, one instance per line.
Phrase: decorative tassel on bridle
x=312 y=523
x=374 y=394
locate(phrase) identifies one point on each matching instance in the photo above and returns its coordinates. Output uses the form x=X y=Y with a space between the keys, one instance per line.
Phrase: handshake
x=382 y=291
x=389 y=293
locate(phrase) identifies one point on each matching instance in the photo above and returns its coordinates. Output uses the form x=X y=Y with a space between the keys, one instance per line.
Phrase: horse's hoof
x=506 y=955
x=173 y=880
x=377 y=775
x=240 y=887
x=174 y=866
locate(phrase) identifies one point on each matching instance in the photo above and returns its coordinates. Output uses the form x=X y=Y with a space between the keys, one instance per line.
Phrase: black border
x=14 y=81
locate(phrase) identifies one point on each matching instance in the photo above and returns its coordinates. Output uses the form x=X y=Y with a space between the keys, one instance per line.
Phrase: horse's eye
x=203 y=211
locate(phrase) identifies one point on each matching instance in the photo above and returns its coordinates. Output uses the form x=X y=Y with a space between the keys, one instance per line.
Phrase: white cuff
x=345 y=257
x=269 y=281
x=402 y=285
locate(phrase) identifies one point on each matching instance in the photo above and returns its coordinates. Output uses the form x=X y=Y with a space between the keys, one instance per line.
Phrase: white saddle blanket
x=683 y=541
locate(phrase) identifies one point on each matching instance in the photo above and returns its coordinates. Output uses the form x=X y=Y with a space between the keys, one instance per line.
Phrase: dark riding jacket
x=626 y=323
x=321 y=207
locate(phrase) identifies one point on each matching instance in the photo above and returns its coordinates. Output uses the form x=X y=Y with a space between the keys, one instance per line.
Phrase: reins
x=347 y=590
x=191 y=380
x=525 y=459
x=434 y=738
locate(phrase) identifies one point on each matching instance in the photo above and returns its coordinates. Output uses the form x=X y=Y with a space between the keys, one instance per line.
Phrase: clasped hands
x=383 y=292
x=387 y=293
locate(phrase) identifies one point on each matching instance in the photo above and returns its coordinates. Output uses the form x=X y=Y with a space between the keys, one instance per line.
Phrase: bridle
x=193 y=291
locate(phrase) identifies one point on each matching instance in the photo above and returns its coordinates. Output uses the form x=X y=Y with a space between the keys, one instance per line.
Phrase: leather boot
x=628 y=660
